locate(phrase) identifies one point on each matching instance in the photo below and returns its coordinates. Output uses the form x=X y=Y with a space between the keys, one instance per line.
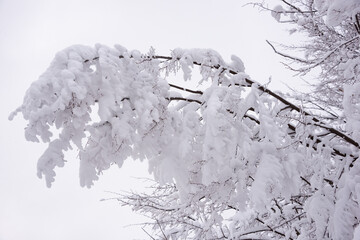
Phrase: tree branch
x=287 y=56
x=184 y=99
x=186 y=89
x=265 y=90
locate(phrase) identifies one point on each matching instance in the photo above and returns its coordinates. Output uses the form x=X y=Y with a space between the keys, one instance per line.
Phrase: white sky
x=32 y=31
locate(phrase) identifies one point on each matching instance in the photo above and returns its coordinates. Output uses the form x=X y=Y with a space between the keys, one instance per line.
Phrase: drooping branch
x=290 y=105
x=250 y=82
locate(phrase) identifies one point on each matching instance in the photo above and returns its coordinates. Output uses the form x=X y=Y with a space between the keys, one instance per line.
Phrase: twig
x=148 y=234
x=184 y=99
x=186 y=89
x=287 y=56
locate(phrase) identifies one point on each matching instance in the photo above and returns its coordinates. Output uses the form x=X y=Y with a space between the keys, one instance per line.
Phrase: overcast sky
x=32 y=31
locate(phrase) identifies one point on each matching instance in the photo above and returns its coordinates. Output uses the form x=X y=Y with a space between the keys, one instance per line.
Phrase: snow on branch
x=231 y=159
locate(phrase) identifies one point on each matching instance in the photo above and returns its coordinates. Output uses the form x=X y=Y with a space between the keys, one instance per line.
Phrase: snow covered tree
x=231 y=159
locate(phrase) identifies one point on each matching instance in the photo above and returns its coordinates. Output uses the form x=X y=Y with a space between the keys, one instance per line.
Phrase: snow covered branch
x=249 y=82
x=231 y=160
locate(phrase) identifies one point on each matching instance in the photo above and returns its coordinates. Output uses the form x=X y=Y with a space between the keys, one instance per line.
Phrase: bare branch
x=186 y=89
x=184 y=99
x=288 y=56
